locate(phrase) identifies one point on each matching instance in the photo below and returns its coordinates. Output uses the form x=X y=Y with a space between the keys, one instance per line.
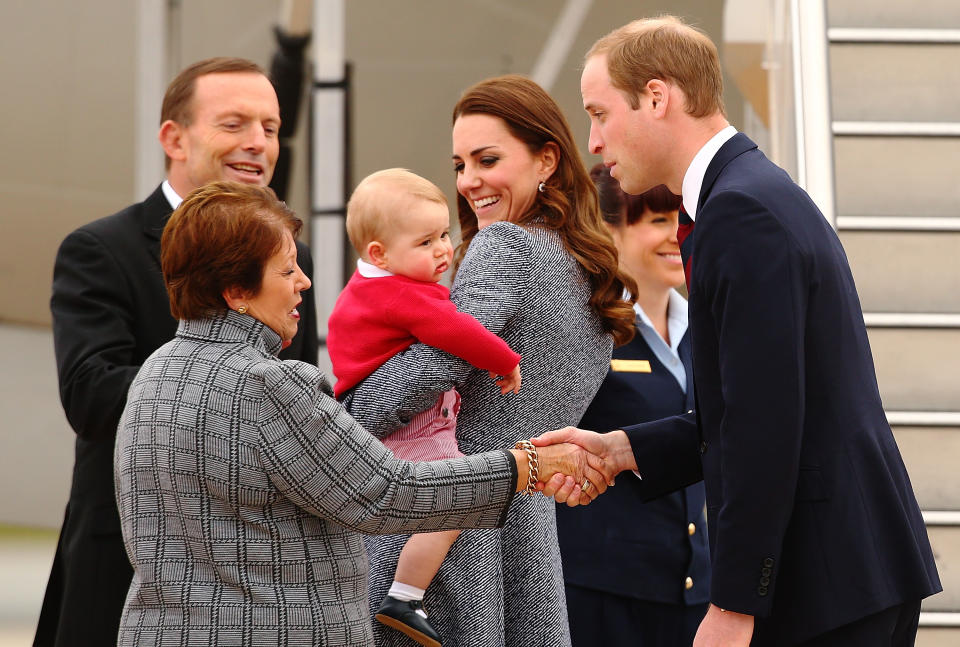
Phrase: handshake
x=575 y=466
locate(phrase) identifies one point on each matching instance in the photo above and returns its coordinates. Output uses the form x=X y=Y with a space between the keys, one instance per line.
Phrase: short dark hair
x=177 y=101
x=619 y=209
x=221 y=236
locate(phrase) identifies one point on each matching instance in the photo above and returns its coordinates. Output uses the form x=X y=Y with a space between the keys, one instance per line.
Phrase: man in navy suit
x=220 y=119
x=815 y=535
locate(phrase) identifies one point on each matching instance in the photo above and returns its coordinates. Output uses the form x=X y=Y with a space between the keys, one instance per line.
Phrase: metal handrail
x=812 y=104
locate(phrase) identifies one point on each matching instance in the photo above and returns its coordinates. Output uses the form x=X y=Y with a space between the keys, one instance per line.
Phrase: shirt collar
x=170 y=194
x=693 y=178
x=676 y=318
x=370 y=271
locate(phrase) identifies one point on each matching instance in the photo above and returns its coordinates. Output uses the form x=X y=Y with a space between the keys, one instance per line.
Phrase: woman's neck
x=655 y=303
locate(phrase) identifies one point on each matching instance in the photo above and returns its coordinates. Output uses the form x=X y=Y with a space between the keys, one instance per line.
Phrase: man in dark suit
x=220 y=119
x=815 y=535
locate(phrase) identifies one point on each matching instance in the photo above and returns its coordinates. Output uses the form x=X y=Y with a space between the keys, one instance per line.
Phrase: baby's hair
x=376 y=203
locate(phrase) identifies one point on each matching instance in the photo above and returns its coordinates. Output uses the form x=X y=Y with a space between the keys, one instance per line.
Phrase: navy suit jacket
x=110 y=312
x=620 y=544
x=812 y=519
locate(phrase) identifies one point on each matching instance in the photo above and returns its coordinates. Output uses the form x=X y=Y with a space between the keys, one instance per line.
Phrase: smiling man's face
x=232 y=134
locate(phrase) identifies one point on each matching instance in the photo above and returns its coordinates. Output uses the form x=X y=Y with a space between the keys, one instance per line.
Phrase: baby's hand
x=508 y=383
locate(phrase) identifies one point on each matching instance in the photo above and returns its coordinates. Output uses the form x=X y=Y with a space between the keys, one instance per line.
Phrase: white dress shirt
x=693 y=178
x=170 y=194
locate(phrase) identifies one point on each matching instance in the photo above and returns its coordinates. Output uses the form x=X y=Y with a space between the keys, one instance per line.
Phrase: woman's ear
x=377 y=253
x=235 y=297
x=549 y=159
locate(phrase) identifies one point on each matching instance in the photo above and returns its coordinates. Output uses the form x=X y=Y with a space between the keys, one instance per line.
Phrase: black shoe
x=403 y=616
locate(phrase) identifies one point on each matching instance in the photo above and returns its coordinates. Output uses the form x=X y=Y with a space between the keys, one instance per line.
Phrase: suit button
x=764 y=581
x=761 y=590
x=691 y=529
x=768 y=562
x=703 y=447
x=404 y=420
x=765 y=571
x=689 y=410
x=688 y=583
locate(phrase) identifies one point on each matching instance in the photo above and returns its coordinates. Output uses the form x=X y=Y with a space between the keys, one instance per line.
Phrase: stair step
x=914 y=370
x=893 y=176
x=898 y=128
x=870 y=13
x=912 y=319
x=937 y=636
x=905 y=271
x=898 y=223
x=894 y=81
x=941 y=518
x=924 y=418
x=940 y=619
x=892 y=35
x=930 y=454
x=945 y=540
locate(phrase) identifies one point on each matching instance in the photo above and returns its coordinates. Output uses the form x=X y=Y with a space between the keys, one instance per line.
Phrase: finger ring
x=586 y=484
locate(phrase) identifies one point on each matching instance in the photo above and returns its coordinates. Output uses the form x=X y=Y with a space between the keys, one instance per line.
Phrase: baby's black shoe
x=403 y=616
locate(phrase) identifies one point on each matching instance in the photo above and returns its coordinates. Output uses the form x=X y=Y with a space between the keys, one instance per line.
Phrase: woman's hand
x=589 y=474
x=613 y=449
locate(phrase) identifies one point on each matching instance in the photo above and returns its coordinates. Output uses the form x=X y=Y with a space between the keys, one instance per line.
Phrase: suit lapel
x=685 y=356
x=733 y=148
x=156 y=212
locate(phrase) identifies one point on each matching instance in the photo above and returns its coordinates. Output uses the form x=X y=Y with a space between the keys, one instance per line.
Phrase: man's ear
x=377 y=253
x=235 y=297
x=549 y=159
x=659 y=96
x=171 y=137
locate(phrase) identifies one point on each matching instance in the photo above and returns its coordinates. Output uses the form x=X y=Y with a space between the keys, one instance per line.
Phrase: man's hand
x=581 y=476
x=724 y=629
x=508 y=383
x=614 y=448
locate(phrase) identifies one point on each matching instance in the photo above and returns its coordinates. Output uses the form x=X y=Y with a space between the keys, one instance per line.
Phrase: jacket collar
x=735 y=146
x=693 y=178
x=156 y=212
x=228 y=327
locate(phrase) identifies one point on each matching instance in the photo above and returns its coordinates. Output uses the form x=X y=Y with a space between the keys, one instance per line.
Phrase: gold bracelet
x=533 y=465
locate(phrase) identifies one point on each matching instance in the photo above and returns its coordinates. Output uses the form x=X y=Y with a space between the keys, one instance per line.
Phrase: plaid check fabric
x=243 y=486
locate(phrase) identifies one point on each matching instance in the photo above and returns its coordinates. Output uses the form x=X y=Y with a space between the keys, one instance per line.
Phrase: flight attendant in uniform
x=638 y=573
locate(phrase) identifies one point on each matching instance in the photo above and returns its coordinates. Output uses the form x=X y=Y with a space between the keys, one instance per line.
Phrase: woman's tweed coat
x=242 y=487
x=498 y=587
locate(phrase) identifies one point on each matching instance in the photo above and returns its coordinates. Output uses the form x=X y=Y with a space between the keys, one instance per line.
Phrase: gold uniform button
x=691 y=529
x=688 y=583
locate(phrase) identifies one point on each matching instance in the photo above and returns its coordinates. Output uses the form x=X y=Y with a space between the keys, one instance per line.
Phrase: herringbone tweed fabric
x=242 y=487
x=498 y=587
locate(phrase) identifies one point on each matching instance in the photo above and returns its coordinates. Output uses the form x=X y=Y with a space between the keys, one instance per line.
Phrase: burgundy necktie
x=684 y=229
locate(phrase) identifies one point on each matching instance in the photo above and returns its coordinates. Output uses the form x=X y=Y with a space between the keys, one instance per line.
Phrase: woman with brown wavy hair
x=537 y=267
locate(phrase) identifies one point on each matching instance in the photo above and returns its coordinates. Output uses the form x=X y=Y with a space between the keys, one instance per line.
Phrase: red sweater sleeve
x=427 y=312
x=374 y=319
